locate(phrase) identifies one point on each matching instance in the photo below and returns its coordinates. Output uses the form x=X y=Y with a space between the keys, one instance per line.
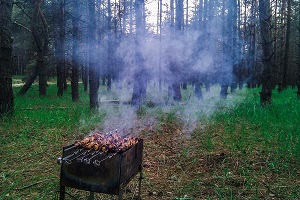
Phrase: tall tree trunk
x=125 y=15
x=93 y=72
x=251 y=54
x=275 y=37
x=266 y=76
x=234 y=50
x=240 y=67
x=298 y=85
x=172 y=14
x=200 y=13
x=60 y=49
x=187 y=14
x=140 y=79
x=179 y=20
x=109 y=47
x=160 y=47
x=287 y=46
x=226 y=62
x=41 y=39
x=75 y=53
x=131 y=17
x=6 y=97
x=85 y=61
x=282 y=44
x=40 y=36
x=172 y=25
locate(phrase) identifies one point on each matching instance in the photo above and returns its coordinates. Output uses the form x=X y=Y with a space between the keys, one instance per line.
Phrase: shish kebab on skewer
x=106 y=142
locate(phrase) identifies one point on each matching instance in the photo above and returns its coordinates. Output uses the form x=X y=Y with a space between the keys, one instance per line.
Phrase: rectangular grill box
x=106 y=173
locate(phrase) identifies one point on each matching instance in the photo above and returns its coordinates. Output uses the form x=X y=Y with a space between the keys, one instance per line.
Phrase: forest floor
x=238 y=152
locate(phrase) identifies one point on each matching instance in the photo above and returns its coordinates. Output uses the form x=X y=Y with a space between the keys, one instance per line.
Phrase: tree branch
x=21 y=25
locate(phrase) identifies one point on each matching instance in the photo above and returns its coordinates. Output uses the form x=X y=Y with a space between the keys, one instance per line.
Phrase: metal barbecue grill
x=100 y=171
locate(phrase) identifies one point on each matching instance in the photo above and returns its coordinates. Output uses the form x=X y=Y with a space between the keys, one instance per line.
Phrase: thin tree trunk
x=6 y=97
x=125 y=15
x=247 y=63
x=240 y=70
x=29 y=81
x=75 y=53
x=41 y=40
x=85 y=63
x=85 y=75
x=60 y=50
x=234 y=50
x=131 y=17
x=226 y=35
x=93 y=72
x=140 y=79
x=198 y=91
x=252 y=43
x=172 y=14
x=275 y=36
x=178 y=30
x=282 y=36
x=187 y=14
x=298 y=92
x=160 y=47
x=266 y=77
x=109 y=47
x=287 y=46
x=200 y=13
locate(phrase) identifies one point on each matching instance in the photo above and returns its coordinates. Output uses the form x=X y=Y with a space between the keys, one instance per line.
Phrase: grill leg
x=140 y=182
x=92 y=195
x=62 y=192
x=120 y=197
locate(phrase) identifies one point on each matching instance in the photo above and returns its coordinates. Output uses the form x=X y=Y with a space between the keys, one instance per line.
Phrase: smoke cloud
x=192 y=56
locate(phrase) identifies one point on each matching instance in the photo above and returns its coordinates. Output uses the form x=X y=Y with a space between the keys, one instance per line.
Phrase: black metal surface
x=100 y=171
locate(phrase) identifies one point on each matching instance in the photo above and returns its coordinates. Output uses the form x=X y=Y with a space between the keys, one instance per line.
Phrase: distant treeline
x=176 y=41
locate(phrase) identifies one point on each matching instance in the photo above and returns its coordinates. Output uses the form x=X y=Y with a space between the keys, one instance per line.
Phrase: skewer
x=69 y=161
x=88 y=160
x=74 y=153
x=109 y=141
x=72 y=147
x=97 y=162
x=87 y=154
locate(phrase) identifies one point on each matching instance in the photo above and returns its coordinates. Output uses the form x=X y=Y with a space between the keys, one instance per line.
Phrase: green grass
x=273 y=129
x=260 y=145
x=238 y=150
x=31 y=141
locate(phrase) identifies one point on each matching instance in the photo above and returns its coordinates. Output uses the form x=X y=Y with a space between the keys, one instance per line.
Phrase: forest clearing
x=239 y=151
x=149 y=99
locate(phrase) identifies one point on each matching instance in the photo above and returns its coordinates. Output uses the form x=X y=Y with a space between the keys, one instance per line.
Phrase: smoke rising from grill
x=193 y=62
x=196 y=56
x=159 y=56
x=188 y=113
